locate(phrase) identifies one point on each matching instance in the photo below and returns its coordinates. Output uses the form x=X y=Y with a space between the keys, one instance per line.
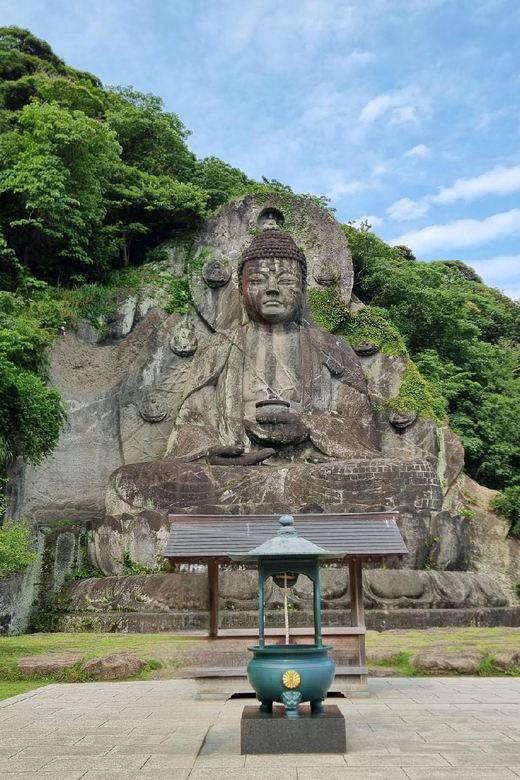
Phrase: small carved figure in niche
x=326 y=275
x=401 y=420
x=153 y=407
x=365 y=348
x=216 y=273
x=270 y=219
x=270 y=223
x=183 y=341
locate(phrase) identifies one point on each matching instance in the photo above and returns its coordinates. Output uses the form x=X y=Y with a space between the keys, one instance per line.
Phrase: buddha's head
x=272 y=278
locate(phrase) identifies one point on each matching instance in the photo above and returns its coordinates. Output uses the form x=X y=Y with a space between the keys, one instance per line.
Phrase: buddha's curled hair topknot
x=273 y=243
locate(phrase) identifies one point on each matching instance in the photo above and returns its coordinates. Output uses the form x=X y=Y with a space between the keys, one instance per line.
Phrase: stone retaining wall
x=376 y=620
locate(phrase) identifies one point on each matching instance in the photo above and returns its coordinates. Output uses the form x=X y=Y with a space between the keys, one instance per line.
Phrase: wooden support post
x=261 y=616
x=214 y=618
x=317 y=607
x=357 y=607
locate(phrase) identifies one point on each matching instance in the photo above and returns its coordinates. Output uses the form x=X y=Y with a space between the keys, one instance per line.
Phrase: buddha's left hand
x=277 y=428
x=221 y=455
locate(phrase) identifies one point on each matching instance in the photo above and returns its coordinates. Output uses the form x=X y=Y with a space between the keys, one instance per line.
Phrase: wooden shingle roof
x=200 y=538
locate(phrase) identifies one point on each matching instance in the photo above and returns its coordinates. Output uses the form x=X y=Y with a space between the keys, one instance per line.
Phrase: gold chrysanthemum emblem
x=291 y=679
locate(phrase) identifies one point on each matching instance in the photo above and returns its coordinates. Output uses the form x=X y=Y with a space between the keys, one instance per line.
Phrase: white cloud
x=501 y=267
x=403 y=115
x=279 y=29
x=370 y=218
x=402 y=107
x=502 y=272
x=379 y=168
x=359 y=58
x=451 y=156
x=407 y=209
x=340 y=189
x=376 y=108
x=461 y=232
x=421 y=150
x=512 y=292
x=498 y=181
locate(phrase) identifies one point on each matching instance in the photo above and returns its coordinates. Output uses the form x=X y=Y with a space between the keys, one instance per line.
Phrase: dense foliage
x=31 y=414
x=16 y=548
x=507 y=504
x=465 y=339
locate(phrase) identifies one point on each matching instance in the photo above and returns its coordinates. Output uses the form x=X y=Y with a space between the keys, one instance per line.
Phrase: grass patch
x=400 y=662
x=487 y=640
x=8 y=689
x=487 y=667
x=407 y=642
x=159 y=651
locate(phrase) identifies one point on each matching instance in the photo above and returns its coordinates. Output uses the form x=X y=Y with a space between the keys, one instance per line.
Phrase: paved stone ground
x=409 y=729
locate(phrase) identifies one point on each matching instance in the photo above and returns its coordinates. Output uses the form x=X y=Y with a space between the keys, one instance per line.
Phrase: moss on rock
x=329 y=311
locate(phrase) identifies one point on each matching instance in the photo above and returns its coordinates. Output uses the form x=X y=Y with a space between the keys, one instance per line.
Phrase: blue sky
x=406 y=112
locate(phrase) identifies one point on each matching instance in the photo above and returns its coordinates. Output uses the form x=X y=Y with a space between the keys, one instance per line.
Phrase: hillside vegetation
x=92 y=179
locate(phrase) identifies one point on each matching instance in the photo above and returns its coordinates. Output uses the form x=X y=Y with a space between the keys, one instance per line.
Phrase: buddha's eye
x=288 y=280
x=256 y=278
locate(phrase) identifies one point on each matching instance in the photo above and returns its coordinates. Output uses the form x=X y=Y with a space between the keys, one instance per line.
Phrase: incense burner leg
x=317 y=706
x=266 y=706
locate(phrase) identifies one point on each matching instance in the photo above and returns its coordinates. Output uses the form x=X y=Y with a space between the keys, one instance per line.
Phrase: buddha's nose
x=272 y=285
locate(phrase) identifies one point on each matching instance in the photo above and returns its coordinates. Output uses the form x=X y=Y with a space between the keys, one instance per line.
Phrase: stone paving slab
x=409 y=729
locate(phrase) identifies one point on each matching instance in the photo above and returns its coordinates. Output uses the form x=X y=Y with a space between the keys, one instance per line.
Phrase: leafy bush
x=31 y=414
x=507 y=504
x=16 y=548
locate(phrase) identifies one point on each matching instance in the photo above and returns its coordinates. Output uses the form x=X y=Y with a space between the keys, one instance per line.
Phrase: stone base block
x=307 y=733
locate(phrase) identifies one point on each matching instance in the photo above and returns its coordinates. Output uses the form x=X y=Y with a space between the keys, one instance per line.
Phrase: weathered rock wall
x=27 y=597
x=17 y=594
x=123 y=394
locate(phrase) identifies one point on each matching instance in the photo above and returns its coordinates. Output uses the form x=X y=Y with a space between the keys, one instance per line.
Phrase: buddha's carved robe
x=318 y=373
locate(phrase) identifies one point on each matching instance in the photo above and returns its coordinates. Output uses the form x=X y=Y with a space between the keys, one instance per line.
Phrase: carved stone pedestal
x=309 y=732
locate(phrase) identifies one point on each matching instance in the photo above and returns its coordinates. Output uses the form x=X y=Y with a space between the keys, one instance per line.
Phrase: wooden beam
x=357 y=609
x=357 y=606
x=214 y=617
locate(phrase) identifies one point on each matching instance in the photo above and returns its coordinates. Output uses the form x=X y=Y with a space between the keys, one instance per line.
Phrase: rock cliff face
x=124 y=393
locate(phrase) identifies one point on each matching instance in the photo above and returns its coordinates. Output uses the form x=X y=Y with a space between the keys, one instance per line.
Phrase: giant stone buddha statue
x=273 y=414
x=275 y=390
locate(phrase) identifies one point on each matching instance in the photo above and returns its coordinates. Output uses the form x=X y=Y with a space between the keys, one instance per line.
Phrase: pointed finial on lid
x=287 y=529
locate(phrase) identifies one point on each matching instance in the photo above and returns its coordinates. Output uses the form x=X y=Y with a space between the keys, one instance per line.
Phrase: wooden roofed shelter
x=368 y=537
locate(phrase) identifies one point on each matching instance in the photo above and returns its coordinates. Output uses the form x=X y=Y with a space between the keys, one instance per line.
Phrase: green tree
x=152 y=139
x=221 y=181
x=31 y=414
x=54 y=171
x=464 y=338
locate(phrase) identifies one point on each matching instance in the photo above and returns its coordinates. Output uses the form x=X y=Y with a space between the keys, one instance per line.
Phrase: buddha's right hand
x=235 y=456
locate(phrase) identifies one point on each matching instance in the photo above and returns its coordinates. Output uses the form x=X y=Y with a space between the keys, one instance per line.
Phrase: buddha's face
x=272 y=290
